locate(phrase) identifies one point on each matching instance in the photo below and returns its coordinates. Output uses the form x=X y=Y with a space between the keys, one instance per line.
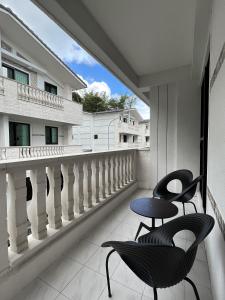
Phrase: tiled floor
x=80 y=274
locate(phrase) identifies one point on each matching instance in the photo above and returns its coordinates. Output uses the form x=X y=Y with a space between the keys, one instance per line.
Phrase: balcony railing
x=36 y=151
x=32 y=94
x=64 y=190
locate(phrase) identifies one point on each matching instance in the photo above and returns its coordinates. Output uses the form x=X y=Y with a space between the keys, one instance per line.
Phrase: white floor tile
x=61 y=297
x=119 y=292
x=97 y=261
x=86 y=285
x=176 y=292
x=37 y=290
x=204 y=293
x=126 y=277
x=59 y=274
x=200 y=273
x=82 y=251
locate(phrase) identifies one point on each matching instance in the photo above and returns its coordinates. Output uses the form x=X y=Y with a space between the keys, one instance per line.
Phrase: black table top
x=153 y=208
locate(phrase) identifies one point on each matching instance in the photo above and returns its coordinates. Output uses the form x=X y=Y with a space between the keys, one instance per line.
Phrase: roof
x=8 y=10
x=132 y=110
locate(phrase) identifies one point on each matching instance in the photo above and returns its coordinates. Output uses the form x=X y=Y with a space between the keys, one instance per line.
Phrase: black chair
x=156 y=260
x=186 y=178
x=161 y=190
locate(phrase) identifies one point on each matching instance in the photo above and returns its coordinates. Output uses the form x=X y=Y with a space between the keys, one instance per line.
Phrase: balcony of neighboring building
x=27 y=101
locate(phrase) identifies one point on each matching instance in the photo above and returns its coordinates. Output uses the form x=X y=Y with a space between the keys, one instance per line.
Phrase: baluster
x=54 y=208
x=95 y=180
x=113 y=173
x=67 y=191
x=3 y=223
x=126 y=169
x=108 y=174
x=118 y=173
x=37 y=209
x=78 y=187
x=87 y=183
x=134 y=164
x=102 y=177
x=122 y=169
x=17 y=210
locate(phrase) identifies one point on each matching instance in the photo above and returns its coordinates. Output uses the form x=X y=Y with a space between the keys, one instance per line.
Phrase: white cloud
x=61 y=43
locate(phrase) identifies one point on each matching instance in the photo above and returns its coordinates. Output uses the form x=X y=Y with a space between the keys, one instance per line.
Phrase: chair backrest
x=183 y=175
x=163 y=266
x=189 y=192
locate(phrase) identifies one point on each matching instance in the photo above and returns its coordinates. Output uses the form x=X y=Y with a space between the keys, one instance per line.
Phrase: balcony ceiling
x=142 y=42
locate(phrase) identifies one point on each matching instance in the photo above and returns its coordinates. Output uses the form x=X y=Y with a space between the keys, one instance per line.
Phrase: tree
x=93 y=102
x=77 y=98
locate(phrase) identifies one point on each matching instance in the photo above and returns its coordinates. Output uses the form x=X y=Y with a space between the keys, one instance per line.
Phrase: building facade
x=36 y=107
x=112 y=130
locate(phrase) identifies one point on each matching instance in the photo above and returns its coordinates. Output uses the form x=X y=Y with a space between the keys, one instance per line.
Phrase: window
x=125 y=120
x=146 y=127
x=95 y=136
x=133 y=122
x=147 y=139
x=134 y=139
x=50 y=88
x=51 y=135
x=125 y=138
x=12 y=73
x=5 y=46
x=19 y=134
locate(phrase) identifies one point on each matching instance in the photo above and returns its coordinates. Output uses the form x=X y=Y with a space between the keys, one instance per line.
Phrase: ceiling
x=152 y=35
x=142 y=42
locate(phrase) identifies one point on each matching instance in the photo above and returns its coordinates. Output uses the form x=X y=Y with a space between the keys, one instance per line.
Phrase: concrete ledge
x=27 y=266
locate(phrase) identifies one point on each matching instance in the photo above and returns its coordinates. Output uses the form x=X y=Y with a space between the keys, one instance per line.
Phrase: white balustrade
x=75 y=185
x=32 y=94
x=2 y=88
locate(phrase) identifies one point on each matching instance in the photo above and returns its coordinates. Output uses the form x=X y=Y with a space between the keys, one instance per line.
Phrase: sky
x=97 y=77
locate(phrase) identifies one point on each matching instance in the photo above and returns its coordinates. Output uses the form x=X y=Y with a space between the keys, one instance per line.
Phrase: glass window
x=19 y=134
x=13 y=73
x=125 y=138
x=95 y=136
x=50 y=88
x=51 y=135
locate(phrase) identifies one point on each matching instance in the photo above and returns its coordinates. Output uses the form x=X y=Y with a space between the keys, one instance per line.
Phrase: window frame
x=13 y=72
x=50 y=85
x=51 y=127
x=14 y=129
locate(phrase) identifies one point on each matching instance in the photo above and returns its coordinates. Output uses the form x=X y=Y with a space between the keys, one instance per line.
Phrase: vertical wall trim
x=158 y=138
x=167 y=127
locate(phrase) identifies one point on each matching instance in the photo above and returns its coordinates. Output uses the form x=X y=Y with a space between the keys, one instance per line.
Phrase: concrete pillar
x=4 y=131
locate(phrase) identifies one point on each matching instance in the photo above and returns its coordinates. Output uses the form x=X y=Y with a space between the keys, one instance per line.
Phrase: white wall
x=216 y=151
x=175 y=129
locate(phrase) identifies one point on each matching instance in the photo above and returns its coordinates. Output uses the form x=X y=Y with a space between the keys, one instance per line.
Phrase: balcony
x=80 y=272
x=27 y=101
x=128 y=128
x=19 y=152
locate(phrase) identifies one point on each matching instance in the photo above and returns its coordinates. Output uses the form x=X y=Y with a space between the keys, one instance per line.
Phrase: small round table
x=153 y=208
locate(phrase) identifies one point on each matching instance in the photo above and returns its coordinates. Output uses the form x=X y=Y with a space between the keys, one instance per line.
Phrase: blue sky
x=97 y=77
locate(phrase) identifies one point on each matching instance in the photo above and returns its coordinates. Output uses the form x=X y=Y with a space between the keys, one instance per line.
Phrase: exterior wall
x=144 y=132
x=37 y=130
x=174 y=141
x=99 y=124
x=216 y=150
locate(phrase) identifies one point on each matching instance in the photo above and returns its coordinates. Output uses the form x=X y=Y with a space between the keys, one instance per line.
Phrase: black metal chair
x=186 y=178
x=156 y=260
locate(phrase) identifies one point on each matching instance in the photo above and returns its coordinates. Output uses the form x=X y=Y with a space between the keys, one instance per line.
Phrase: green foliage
x=94 y=102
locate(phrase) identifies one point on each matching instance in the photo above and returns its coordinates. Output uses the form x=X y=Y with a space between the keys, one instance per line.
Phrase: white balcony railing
x=77 y=185
x=1 y=85
x=36 y=151
x=32 y=94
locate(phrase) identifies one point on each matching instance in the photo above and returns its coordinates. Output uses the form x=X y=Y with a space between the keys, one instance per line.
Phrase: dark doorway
x=204 y=133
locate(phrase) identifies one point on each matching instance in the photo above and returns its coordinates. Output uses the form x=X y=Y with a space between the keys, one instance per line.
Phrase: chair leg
x=138 y=231
x=194 y=206
x=107 y=272
x=194 y=287
x=183 y=208
x=155 y=294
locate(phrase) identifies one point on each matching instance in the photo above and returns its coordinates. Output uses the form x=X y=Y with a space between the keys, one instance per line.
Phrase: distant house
x=112 y=130
x=36 y=107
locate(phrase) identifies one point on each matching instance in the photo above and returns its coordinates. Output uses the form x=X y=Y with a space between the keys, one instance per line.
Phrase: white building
x=112 y=130
x=36 y=107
